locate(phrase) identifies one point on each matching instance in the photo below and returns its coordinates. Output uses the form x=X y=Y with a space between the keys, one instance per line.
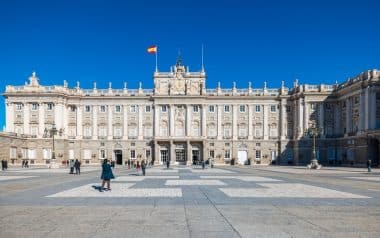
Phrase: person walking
x=77 y=166
x=106 y=176
x=143 y=167
x=369 y=162
x=167 y=163
x=71 y=165
x=2 y=164
x=203 y=164
x=129 y=164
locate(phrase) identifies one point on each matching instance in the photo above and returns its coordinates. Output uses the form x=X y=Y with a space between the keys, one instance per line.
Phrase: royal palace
x=183 y=121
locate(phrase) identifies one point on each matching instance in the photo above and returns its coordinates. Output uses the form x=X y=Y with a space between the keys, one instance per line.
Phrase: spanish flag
x=152 y=49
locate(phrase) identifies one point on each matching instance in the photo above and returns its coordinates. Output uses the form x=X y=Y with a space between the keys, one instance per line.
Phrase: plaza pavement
x=226 y=201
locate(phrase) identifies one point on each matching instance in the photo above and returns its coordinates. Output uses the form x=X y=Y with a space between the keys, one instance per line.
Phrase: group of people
x=25 y=164
x=74 y=165
x=4 y=164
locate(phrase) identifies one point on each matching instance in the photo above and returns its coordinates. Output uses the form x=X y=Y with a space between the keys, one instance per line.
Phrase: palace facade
x=183 y=121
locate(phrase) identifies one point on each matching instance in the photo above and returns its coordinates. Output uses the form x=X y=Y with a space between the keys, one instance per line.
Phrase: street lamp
x=314 y=132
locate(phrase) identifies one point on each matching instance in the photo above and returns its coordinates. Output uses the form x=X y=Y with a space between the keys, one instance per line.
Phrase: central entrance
x=118 y=157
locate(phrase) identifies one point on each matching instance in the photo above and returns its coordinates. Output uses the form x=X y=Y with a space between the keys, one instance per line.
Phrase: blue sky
x=105 y=41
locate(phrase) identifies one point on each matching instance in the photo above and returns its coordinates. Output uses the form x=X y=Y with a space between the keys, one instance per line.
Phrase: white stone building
x=183 y=121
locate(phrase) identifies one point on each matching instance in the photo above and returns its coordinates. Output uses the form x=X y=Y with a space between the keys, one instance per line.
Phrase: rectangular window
x=102 y=108
x=50 y=106
x=147 y=108
x=258 y=154
x=132 y=108
x=226 y=108
x=102 y=154
x=133 y=154
x=13 y=153
x=287 y=108
x=87 y=154
x=34 y=106
x=258 y=108
x=18 y=107
x=196 y=108
x=227 y=154
x=273 y=108
x=147 y=154
x=212 y=154
x=31 y=154
x=87 y=108
x=46 y=153
x=117 y=108
x=164 y=108
x=242 y=108
x=211 y=108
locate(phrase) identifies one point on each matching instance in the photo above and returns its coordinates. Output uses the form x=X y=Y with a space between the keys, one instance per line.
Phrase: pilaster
x=26 y=118
x=265 y=124
x=41 y=120
x=234 y=121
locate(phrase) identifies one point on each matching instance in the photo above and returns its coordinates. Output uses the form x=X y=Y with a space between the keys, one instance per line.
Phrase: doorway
x=119 y=157
x=242 y=156
x=196 y=157
x=164 y=156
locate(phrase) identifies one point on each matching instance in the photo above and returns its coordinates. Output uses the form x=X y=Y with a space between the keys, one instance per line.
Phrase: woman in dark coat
x=107 y=175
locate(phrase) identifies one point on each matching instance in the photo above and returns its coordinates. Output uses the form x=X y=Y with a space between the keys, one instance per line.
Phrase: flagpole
x=156 y=60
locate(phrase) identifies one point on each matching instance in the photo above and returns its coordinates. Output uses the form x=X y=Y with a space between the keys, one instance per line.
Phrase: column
x=41 y=120
x=306 y=116
x=79 y=121
x=361 y=111
x=301 y=103
x=172 y=152
x=348 y=116
x=372 y=110
x=188 y=120
x=204 y=121
x=156 y=153
x=265 y=123
x=283 y=119
x=321 y=119
x=26 y=118
x=234 y=122
x=188 y=153
x=65 y=119
x=156 y=120
x=140 y=128
x=95 y=122
x=109 y=122
x=125 y=122
x=58 y=110
x=366 y=108
x=337 y=120
x=219 y=128
x=204 y=153
x=10 y=117
x=171 y=120
x=295 y=120
x=250 y=122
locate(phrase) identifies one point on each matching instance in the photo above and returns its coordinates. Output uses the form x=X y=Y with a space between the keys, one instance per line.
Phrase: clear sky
x=316 y=41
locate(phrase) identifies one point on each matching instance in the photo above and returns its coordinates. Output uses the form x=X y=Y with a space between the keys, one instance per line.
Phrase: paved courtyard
x=190 y=202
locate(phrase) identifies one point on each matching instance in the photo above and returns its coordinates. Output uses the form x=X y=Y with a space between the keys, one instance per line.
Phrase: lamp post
x=314 y=132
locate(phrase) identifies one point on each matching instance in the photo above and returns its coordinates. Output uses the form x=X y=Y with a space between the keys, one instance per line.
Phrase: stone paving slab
x=376 y=179
x=196 y=182
x=290 y=190
x=242 y=178
x=4 y=178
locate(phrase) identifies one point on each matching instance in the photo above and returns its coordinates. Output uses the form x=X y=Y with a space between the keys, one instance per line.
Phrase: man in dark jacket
x=167 y=163
x=369 y=162
x=143 y=167
x=77 y=166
